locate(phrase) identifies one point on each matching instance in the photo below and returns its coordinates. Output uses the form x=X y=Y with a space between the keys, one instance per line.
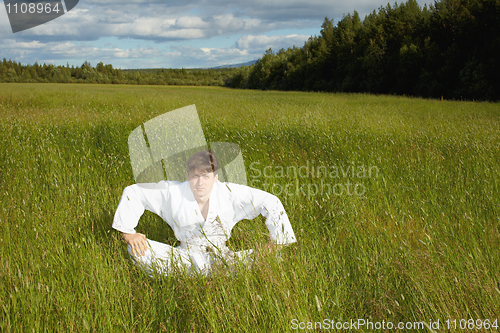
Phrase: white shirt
x=229 y=203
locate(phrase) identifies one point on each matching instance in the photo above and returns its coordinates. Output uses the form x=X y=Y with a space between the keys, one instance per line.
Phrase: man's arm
x=254 y=202
x=135 y=199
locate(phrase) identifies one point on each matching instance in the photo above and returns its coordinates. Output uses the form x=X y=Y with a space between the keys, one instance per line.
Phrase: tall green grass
x=420 y=244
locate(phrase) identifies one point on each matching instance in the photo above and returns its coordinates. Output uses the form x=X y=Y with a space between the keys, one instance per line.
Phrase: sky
x=173 y=33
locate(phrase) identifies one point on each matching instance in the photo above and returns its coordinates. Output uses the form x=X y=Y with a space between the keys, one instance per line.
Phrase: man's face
x=201 y=183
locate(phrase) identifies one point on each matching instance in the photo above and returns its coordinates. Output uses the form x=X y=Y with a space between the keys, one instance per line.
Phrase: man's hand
x=137 y=242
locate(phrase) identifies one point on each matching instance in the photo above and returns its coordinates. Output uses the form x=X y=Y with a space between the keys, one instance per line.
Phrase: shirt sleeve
x=252 y=202
x=135 y=199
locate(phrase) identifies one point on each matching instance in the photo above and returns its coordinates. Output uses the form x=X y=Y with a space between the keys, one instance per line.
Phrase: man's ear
x=216 y=176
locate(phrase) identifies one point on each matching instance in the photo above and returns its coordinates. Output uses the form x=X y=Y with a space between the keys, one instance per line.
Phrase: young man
x=202 y=212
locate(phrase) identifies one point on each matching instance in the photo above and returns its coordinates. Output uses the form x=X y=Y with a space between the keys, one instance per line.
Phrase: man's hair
x=203 y=161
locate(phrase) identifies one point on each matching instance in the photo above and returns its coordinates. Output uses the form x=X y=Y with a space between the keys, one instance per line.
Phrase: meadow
x=395 y=205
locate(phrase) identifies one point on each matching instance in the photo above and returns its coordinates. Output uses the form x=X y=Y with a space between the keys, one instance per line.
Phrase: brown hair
x=204 y=161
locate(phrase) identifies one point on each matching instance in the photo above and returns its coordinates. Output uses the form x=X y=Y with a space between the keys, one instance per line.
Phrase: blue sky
x=173 y=33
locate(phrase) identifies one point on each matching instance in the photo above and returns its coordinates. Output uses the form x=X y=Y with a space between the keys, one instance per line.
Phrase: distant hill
x=237 y=65
x=155 y=70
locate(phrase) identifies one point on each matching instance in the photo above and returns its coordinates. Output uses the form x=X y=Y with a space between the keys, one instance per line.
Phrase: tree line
x=448 y=49
x=11 y=71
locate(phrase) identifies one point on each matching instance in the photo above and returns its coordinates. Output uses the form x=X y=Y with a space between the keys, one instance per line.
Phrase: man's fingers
x=139 y=245
x=136 y=250
x=144 y=245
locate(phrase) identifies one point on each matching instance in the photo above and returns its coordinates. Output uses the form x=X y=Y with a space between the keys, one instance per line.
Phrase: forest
x=11 y=71
x=447 y=50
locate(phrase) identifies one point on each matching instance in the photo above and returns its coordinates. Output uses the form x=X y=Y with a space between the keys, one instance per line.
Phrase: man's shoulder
x=175 y=182
x=163 y=185
x=240 y=194
x=176 y=186
x=235 y=190
x=230 y=186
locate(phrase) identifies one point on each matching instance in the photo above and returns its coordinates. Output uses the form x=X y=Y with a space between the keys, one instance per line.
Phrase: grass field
x=407 y=230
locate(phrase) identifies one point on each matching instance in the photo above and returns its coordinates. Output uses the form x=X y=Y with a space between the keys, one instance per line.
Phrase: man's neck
x=203 y=205
x=202 y=200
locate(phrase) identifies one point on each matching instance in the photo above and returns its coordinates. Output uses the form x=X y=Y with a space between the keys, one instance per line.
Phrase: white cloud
x=92 y=23
x=247 y=48
x=263 y=42
x=189 y=22
x=205 y=57
x=48 y=52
